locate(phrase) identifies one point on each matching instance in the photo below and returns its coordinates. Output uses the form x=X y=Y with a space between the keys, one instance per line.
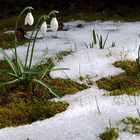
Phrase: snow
x=82 y=121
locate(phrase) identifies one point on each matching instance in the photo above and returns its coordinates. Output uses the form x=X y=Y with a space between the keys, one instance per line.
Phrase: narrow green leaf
x=56 y=69
x=41 y=58
x=138 y=59
x=94 y=37
x=105 y=41
x=101 y=42
x=48 y=87
x=9 y=61
x=10 y=82
x=19 y=64
x=86 y=45
x=12 y=74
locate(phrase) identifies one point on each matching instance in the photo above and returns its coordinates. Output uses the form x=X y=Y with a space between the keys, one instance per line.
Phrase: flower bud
x=29 y=19
x=54 y=24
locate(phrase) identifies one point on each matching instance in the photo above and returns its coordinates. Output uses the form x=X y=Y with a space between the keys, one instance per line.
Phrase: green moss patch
x=124 y=83
x=60 y=56
x=7 y=40
x=19 y=111
x=109 y=134
x=131 y=125
x=128 y=124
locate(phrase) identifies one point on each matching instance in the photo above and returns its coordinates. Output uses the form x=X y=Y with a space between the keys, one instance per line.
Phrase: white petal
x=29 y=19
x=54 y=24
x=43 y=28
x=26 y=20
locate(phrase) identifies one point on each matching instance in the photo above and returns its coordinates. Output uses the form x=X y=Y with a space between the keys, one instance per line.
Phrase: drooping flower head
x=54 y=24
x=43 y=28
x=29 y=19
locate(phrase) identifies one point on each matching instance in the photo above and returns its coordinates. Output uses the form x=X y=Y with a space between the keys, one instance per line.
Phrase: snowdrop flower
x=29 y=19
x=43 y=28
x=54 y=24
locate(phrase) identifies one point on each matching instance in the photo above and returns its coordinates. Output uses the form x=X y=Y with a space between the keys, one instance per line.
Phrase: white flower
x=29 y=19
x=43 y=28
x=54 y=24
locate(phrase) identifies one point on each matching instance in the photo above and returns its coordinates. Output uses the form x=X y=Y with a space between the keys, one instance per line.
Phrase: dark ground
x=67 y=7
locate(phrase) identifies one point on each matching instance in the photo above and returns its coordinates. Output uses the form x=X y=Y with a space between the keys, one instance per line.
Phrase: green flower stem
x=44 y=17
x=53 y=12
x=15 y=38
x=27 y=54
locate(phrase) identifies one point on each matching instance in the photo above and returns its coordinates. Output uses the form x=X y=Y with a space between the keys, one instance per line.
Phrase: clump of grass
x=124 y=83
x=113 y=44
x=109 y=134
x=97 y=39
x=131 y=125
x=7 y=40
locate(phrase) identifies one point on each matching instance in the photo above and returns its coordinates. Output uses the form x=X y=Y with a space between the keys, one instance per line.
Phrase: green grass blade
x=94 y=37
x=12 y=74
x=138 y=59
x=56 y=69
x=101 y=42
x=86 y=45
x=48 y=87
x=105 y=41
x=42 y=72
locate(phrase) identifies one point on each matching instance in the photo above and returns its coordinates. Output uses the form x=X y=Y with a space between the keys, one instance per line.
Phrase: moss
x=128 y=124
x=131 y=125
x=109 y=134
x=59 y=56
x=19 y=111
x=7 y=40
x=124 y=83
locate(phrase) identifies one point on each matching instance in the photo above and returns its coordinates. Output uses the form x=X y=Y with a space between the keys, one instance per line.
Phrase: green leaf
x=10 y=82
x=9 y=61
x=48 y=87
x=94 y=37
x=105 y=40
x=56 y=69
x=86 y=45
x=13 y=74
x=41 y=58
x=19 y=64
